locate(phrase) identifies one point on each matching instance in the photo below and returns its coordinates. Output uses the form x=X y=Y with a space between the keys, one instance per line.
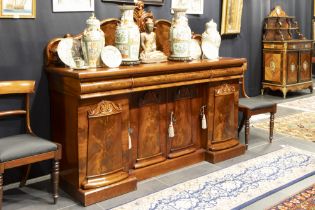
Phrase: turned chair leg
x=55 y=180
x=241 y=125
x=1 y=190
x=246 y=132
x=271 y=125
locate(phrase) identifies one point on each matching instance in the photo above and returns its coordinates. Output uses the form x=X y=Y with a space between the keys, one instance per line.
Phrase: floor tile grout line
x=281 y=135
x=303 y=142
x=168 y=185
x=299 y=140
x=100 y=206
x=177 y=170
x=67 y=206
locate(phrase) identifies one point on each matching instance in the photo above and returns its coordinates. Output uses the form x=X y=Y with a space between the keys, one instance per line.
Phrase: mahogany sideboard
x=113 y=123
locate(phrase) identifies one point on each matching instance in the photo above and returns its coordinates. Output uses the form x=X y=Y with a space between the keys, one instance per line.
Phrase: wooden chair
x=250 y=107
x=25 y=149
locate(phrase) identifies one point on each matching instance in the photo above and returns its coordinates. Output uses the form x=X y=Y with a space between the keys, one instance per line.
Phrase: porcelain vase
x=180 y=36
x=211 y=41
x=127 y=37
x=93 y=41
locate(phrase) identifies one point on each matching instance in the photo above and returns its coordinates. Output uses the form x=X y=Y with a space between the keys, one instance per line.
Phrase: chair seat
x=253 y=104
x=23 y=145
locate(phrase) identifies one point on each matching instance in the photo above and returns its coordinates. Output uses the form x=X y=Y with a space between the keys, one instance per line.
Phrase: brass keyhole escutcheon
x=292 y=67
x=272 y=66
x=305 y=65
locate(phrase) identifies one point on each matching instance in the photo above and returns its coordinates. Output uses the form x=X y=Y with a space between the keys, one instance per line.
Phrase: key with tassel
x=203 y=118
x=171 y=132
x=130 y=130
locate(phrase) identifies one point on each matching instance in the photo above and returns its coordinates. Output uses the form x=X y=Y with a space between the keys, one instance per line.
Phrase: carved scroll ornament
x=225 y=89
x=104 y=108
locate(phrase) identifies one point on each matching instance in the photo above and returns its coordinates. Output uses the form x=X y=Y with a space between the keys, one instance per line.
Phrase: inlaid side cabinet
x=287 y=55
x=114 y=125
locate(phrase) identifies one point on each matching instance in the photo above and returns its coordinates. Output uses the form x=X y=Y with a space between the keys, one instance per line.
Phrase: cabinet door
x=272 y=67
x=184 y=105
x=148 y=128
x=105 y=126
x=222 y=115
x=292 y=68
x=305 y=66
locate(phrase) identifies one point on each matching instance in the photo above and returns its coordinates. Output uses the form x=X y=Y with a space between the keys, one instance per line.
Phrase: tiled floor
x=35 y=196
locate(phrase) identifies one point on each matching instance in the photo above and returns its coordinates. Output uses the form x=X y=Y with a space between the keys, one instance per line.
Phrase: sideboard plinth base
x=169 y=165
x=89 y=197
x=218 y=156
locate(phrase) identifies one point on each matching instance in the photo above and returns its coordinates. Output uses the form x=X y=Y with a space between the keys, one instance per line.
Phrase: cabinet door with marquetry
x=148 y=128
x=183 y=112
x=292 y=67
x=222 y=115
x=305 y=66
x=272 y=67
x=103 y=143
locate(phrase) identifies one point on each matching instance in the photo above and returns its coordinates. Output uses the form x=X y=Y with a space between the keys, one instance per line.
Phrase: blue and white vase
x=180 y=36
x=127 y=37
x=93 y=41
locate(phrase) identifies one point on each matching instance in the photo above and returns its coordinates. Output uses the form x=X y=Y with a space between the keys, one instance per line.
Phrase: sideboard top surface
x=143 y=69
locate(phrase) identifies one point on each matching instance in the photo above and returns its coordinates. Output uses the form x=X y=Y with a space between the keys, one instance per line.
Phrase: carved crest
x=278 y=12
x=104 y=108
x=150 y=97
x=184 y=92
x=225 y=89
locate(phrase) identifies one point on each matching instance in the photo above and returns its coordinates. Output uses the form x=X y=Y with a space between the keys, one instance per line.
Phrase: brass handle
x=173 y=118
x=202 y=110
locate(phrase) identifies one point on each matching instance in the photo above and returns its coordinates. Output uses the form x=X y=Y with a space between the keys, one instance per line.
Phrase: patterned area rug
x=304 y=104
x=303 y=200
x=300 y=125
x=234 y=187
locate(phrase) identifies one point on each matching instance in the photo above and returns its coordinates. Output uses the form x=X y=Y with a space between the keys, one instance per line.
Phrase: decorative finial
x=93 y=20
